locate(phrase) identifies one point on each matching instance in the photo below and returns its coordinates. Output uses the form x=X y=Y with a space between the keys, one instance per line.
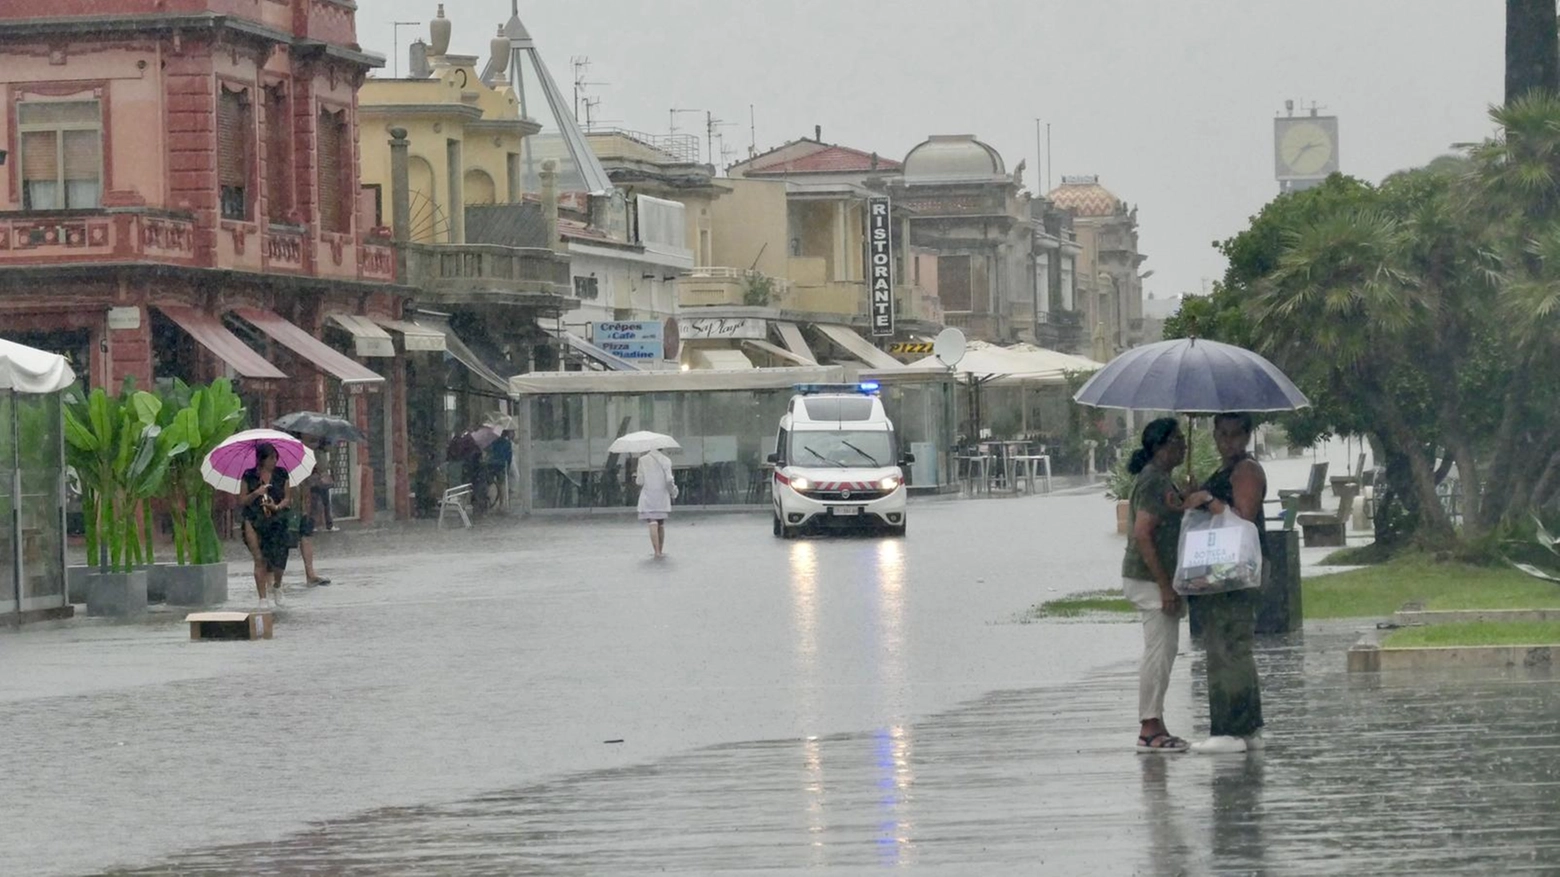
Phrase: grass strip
x=1477 y=633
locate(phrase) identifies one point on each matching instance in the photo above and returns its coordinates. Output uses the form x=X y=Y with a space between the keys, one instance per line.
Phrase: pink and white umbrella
x=224 y=467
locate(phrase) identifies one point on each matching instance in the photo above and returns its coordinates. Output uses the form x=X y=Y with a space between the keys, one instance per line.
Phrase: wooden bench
x=1309 y=499
x=1328 y=529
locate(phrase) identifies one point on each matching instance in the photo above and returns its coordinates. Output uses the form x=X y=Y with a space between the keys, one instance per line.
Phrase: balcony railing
x=473 y=273
x=96 y=236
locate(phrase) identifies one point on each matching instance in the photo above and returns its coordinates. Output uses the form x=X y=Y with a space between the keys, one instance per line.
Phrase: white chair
x=459 y=499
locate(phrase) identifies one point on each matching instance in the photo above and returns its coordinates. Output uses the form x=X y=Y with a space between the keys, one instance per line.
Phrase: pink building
x=180 y=198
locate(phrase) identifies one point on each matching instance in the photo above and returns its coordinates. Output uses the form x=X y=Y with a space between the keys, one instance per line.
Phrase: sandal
x=1161 y=742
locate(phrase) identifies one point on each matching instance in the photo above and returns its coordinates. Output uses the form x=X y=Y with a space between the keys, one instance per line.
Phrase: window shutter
x=83 y=155
x=232 y=140
x=40 y=156
x=278 y=129
x=330 y=149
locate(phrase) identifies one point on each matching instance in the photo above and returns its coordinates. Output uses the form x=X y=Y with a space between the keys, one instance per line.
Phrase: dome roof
x=946 y=157
x=1084 y=196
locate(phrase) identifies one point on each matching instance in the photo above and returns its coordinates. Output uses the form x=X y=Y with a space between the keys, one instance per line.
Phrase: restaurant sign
x=733 y=328
x=880 y=267
x=634 y=340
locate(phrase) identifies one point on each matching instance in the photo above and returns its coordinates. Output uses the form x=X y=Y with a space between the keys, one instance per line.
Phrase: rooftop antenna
x=395 y=28
x=581 y=65
x=752 y=132
x=672 y=128
x=710 y=124
x=591 y=103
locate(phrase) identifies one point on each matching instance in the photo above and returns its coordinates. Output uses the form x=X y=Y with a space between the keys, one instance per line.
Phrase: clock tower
x=1305 y=148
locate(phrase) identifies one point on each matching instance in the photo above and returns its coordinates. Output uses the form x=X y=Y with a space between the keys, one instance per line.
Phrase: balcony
x=729 y=287
x=470 y=274
x=97 y=236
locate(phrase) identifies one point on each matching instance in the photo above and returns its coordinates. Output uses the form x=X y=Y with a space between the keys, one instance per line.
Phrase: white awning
x=858 y=346
x=727 y=360
x=777 y=352
x=695 y=380
x=791 y=336
x=26 y=369
x=1016 y=364
x=367 y=338
x=458 y=349
x=415 y=337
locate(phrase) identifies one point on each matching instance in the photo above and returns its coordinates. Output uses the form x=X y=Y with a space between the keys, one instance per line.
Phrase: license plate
x=844 y=511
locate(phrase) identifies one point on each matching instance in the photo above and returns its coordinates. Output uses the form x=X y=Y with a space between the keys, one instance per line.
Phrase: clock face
x=1305 y=149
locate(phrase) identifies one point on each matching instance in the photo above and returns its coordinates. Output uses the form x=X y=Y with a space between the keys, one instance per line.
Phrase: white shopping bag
x=1219 y=553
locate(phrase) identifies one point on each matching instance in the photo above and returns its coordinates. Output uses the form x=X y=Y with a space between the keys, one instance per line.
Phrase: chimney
x=418 y=60
x=550 y=203
x=818 y=133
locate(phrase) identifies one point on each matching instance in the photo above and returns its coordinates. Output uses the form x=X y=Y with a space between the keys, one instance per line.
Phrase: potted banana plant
x=113 y=445
x=200 y=420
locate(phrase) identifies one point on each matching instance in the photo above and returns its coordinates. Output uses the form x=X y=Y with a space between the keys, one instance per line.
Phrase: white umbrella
x=640 y=442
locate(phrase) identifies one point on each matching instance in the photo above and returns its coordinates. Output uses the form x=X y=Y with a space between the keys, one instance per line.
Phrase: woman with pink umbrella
x=262 y=466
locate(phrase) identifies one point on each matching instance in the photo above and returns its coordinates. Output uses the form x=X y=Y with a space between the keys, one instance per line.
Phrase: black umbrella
x=333 y=429
x=1191 y=376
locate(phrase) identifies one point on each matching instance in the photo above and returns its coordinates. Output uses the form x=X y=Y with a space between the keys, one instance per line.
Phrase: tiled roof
x=1085 y=198
x=825 y=159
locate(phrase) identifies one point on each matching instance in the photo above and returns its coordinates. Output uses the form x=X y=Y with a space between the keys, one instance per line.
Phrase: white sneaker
x=1220 y=746
x=276 y=598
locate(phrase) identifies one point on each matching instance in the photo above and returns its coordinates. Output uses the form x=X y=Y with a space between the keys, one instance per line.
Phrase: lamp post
x=395 y=53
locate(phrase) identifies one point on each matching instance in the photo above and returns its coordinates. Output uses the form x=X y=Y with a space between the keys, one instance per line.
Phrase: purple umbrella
x=224 y=467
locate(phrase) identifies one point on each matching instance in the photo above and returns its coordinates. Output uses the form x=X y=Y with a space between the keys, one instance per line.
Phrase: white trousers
x=1161 y=641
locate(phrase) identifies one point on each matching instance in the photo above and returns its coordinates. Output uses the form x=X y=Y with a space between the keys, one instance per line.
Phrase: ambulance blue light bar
x=865 y=388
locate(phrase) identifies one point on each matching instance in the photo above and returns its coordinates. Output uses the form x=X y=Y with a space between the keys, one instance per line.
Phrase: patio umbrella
x=484 y=436
x=1191 y=376
x=324 y=426
x=224 y=467
x=640 y=442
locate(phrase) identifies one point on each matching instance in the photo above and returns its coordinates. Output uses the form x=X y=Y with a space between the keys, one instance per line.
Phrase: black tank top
x=1221 y=485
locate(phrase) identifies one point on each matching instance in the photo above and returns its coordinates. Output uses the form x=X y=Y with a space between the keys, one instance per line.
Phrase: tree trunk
x=1548 y=483
x=1532 y=48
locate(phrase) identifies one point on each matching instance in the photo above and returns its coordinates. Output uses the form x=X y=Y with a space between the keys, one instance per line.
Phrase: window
x=586 y=288
x=235 y=129
x=278 y=156
x=333 y=215
x=953 y=282
x=61 y=154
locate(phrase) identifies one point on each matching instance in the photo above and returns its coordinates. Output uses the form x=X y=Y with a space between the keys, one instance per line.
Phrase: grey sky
x=1169 y=101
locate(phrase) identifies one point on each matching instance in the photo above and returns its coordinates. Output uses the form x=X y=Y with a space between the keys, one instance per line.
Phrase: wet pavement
x=450 y=706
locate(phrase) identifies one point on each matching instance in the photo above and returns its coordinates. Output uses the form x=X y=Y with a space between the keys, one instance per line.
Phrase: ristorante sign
x=880 y=267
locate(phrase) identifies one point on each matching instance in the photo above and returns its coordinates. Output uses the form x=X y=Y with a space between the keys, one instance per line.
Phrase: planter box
x=77 y=584
x=120 y=594
x=203 y=584
x=157 y=582
x=1122 y=509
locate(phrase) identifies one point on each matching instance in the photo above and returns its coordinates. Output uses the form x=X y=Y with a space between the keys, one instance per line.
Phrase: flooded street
x=545 y=699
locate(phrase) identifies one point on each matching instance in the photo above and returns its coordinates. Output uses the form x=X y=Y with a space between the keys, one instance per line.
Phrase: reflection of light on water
x=895 y=777
x=804 y=602
x=812 y=761
x=892 y=744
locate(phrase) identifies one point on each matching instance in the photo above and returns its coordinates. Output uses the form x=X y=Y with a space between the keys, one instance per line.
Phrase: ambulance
x=838 y=463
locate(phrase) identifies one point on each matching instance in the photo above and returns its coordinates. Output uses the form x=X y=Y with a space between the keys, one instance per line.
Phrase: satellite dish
x=949 y=347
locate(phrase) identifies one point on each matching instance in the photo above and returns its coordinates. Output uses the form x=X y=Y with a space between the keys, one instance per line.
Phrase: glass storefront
x=32 y=544
x=726 y=438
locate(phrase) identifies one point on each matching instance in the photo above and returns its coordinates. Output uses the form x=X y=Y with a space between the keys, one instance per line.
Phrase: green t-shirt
x=1151 y=494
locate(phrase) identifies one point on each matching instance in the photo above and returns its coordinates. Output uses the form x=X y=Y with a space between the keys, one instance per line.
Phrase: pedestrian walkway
x=1405 y=776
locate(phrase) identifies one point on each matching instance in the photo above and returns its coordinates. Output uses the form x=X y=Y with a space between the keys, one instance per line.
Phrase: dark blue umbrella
x=1191 y=376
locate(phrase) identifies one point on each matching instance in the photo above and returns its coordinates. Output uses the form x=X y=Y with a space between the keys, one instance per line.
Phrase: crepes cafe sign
x=631 y=339
x=880 y=266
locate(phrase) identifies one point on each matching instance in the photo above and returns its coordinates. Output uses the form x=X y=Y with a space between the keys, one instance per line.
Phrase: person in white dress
x=657 y=489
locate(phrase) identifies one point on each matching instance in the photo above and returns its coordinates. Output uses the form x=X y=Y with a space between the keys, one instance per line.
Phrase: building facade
x=181 y=200
x=1109 y=286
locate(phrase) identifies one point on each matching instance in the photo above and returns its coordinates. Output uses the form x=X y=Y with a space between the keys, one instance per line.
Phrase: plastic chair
x=459 y=499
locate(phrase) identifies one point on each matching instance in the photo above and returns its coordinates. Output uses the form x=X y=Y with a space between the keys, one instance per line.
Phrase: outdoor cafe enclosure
x=725 y=421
